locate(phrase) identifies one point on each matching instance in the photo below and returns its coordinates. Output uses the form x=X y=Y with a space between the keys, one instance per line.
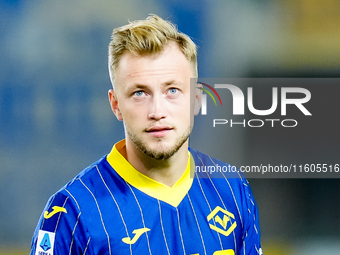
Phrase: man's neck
x=167 y=172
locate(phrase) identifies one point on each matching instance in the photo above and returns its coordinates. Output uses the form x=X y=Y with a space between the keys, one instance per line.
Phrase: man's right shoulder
x=71 y=208
x=87 y=173
x=90 y=180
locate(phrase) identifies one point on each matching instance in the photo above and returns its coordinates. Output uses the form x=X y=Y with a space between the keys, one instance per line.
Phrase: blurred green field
x=14 y=251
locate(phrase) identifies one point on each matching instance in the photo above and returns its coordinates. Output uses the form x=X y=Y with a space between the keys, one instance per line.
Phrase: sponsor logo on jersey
x=45 y=243
x=224 y=221
x=55 y=210
x=138 y=233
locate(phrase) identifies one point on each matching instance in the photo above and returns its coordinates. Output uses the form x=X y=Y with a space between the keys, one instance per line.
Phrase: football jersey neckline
x=171 y=195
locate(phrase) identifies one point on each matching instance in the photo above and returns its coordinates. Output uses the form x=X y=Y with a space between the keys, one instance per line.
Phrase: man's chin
x=161 y=148
x=163 y=153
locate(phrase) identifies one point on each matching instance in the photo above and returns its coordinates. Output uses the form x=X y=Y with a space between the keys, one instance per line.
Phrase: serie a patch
x=45 y=243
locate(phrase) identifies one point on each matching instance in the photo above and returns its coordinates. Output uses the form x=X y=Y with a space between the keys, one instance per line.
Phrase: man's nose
x=157 y=109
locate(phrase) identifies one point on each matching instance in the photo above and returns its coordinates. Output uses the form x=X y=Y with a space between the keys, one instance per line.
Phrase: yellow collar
x=171 y=195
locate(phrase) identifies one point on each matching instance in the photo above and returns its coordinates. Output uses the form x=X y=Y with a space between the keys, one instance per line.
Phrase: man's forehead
x=170 y=64
x=170 y=56
x=166 y=71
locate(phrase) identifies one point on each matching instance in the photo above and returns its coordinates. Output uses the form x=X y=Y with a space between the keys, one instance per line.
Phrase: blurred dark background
x=55 y=118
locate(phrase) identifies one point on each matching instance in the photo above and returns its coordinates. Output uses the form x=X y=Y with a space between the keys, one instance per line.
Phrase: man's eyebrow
x=139 y=86
x=143 y=86
x=168 y=83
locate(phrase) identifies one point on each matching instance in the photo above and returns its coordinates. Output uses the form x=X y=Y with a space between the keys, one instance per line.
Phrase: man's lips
x=158 y=128
x=159 y=131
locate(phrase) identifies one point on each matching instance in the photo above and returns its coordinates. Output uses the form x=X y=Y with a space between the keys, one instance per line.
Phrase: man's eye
x=173 y=91
x=138 y=93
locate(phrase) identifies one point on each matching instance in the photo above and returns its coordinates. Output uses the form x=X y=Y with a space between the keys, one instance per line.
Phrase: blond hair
x=146 y=37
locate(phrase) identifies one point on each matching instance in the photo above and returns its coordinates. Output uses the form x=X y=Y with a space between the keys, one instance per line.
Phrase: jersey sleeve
x=251 y=232
x=60 y=230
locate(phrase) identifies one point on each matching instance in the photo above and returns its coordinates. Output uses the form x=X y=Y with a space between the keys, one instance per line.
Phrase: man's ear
x=198 y=99
x=114 y=104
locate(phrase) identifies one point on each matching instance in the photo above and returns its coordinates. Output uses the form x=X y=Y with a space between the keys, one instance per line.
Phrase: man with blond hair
x=141 y=198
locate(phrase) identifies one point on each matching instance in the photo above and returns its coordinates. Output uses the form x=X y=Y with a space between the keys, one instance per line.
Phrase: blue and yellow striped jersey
x=111 y=208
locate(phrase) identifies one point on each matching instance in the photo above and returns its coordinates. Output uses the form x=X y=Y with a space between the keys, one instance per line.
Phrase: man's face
x=152 y=97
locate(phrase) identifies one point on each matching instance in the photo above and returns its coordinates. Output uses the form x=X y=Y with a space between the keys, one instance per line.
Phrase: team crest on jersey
x=224 y=221
x=45 y=243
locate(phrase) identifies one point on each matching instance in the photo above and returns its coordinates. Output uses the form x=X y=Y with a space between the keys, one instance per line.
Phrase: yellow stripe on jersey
x=171 y=195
